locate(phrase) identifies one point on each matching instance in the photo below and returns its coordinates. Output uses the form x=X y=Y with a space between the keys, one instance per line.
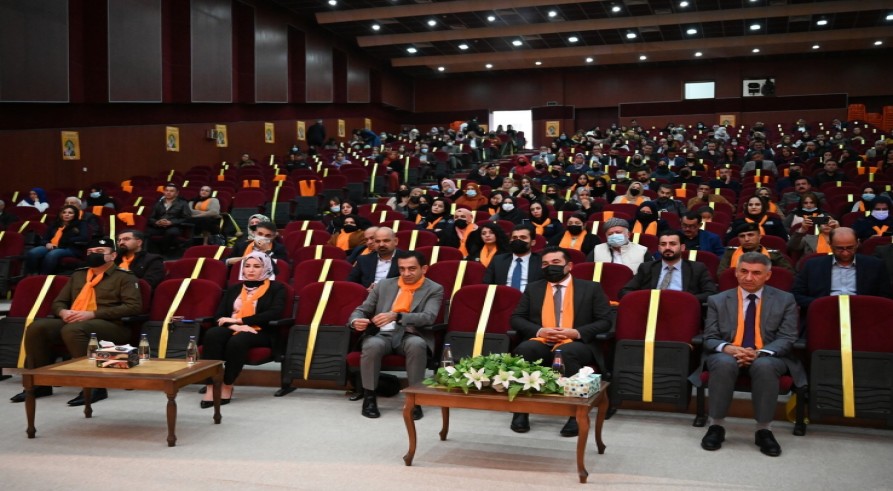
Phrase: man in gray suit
x=391 y=320
x=751 y=330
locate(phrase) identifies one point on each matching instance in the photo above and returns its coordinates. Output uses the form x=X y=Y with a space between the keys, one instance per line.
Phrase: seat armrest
x=135 y=319
x=604 y=336
x=283 y=322
x=435 y=328
x=697 y=339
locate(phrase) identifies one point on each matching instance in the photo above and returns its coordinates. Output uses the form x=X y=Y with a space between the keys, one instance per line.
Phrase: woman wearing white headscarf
x=243 y=319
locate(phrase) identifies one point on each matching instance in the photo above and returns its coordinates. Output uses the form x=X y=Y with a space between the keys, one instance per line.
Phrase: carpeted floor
x=317 y=439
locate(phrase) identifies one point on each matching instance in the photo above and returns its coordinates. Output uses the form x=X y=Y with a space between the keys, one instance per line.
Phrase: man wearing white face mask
x=618 y=248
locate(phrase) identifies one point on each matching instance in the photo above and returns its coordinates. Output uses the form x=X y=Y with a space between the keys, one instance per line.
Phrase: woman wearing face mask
x=755 y=212
x=486 y=242
x=634 y=195
x=864 y=203
x=508 y=211
x=809 y=207
x=264 y=240
x=350 y=235
x=765 y=194
x=243 y=322
x=37 y=198
x=449 y=190
x=456 y=234
x=648 y=220
x=879 y=223
x=601 y=190
x=97 y=197
x=575 y=236
x=66 y=237
x=472 y=199
x=543 y=224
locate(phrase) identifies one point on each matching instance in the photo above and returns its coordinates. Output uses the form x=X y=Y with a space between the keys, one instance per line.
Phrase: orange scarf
x=434 y=223
x=126 y=260
x=127 y=218
x=822 y=246
x=638 y=199
x=203 y=205
x=650 y=230
x=541 y=228
x=307 y=187
x=762 y=221
x=249 y=302
x=248 y=249
x=57 y=237
x=86 y=299
x=739 y=251
x=881 y=230
x=463 y=235
x=861 y=206
x=773 y=208
x=487 y=254
x=567 y=312
x=403 y=302
x=757 y=334
x=569 y=241
x=342 y=241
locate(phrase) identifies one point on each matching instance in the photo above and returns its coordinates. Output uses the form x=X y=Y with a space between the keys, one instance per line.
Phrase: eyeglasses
x=844 y=248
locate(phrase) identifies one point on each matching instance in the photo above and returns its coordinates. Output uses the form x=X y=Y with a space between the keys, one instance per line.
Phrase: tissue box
x=582 y=385
x=117 y=358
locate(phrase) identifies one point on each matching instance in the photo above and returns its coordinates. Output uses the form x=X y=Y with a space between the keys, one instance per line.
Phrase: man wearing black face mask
x=560 y=312
x=93 y=301
x=521 y=266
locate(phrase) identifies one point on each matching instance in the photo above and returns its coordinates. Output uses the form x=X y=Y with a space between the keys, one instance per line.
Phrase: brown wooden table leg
x=30 y=404
x=218 y=390
x=408 y=405
x=172 y=416
x=582 y=434
x=445 y=413
x=88 y=399
x=599 y=421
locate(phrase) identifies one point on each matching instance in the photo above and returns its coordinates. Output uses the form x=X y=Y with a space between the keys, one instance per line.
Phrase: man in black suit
x=132 y=257
x=844 y=273
x=373 y=268
x=364 y=249
x=885 y=254
x=665 y=274
x=520 y=267
x=543 y=319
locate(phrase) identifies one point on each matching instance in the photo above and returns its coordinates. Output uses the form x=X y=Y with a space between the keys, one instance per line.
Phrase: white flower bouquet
x=503 y=372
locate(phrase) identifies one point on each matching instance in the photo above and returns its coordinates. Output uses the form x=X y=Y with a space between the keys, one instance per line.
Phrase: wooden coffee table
x=550 y=404
x=167 y=376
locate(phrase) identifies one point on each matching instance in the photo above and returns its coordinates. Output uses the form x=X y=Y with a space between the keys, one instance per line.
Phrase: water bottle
x=447 y=359
x=191 y=351
x=92 y=347
x=558 y=363
x=143 y=351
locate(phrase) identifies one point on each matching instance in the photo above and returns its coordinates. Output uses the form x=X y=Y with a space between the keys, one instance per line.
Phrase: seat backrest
x=12 y=244
x=200 y=300
x=304 y=238
x=443 y=253
x=411 y=240
x=26 y=293
x=445 y=273
x=310 y=271
x=208 y=251
x=872 y=243
x=212 y=269
x=678 y=316
x=344 y=298
x=249 y=198
x=468 y=302
x=613 y=276
x=870 y=331
x=301 y=254
x=709 y=259
x=297 y=225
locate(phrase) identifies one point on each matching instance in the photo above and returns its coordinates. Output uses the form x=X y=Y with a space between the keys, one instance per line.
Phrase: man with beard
x=372 y=268
x=672 y=272
x=666 y=202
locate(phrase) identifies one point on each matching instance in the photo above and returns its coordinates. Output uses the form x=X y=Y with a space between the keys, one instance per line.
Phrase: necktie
x=750 y=321
x=668 y=277
x=516 y=275
x=557 y=300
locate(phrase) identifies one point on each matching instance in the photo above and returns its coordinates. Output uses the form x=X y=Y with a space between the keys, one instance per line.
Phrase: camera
x=823 y=220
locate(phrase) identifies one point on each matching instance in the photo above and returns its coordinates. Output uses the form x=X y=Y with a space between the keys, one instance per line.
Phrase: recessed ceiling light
x=699 y=54
x=552 y=13
x=411 y=50
x=630 y=35
x=333 y=2
x=754 y=27
x=590 y=59
x=517 y=42
x=491 y=18
x=643 y=57
x=691 y=31
x=573 y=39
x=821 y=22
x=463 y=46
x=440 y=69
x=889 y=16
x=815 y=46
x=683 y=4
x=375 y=27
x=878 y=43
x=537 y=63
x=756 y=50
x=616 y=9
x=488 y=66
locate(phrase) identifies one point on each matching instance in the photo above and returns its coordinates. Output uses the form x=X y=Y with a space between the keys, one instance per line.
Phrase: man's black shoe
x=417 y=413
x=767 y=443
x=713 y=439
x=39 y=391
x=520 y=422
x=370 y=405
x=570 y=428
x=96 y=395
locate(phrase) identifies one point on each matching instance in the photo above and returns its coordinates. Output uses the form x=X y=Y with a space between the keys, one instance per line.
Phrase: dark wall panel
x=339 y=76
x=358 y=87
x=297 y=65
x=243 y=52
x=34 y=51
x=397 y=91
x=270 y=58
x=319 y=69
x=212 y=51
x=134 y=33
x=176 y=51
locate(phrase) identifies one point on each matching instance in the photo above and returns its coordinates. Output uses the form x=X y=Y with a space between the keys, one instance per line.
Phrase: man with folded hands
x=93 y=301
x=559 y=312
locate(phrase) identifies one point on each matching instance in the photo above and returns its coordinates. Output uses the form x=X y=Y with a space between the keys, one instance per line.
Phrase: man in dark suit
x=364 y=249
x=750 y=329
x=132 y=257
x=665 y=274
x=843 y=273
x=885 y=254
x=559 y=312
x=520 y=267
x=699 y=240
x=373 y=268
